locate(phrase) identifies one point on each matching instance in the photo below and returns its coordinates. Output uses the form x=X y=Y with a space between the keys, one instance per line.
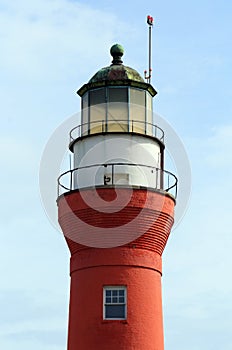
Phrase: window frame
x=119 y=287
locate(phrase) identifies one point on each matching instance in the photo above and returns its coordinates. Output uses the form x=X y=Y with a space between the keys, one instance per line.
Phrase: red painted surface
x=146 y=212
x=136 y=265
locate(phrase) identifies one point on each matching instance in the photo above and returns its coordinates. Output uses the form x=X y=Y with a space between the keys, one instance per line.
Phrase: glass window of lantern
x=85 y=114
x=97 y=110
x=117 y=109
x=149 y=118
x=137 y=110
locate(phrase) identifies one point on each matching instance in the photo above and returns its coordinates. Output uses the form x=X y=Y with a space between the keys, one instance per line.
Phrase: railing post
x=161 y=179
x=156 y=177
x=112 y=174
x=71 y=180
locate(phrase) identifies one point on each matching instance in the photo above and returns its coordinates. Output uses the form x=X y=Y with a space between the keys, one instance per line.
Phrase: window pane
x=114 y=300
x=115 y=293
x=149 y=114
x=117 y=109
x=121 y=299
x=108 y=293
x=97 y=110
x=118 y=95
x=121 y=292
x=137 y=110
x=115 y=311
x=84 y=114
x=97 y=96
x=108 y=300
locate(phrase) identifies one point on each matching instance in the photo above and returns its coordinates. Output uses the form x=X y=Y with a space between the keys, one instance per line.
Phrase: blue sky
x=48 y=50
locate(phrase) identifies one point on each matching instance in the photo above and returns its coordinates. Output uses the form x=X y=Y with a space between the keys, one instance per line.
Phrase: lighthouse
x=116 y=211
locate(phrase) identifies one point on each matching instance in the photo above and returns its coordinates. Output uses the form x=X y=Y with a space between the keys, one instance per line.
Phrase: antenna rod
x=148 y=77
x=149 y=54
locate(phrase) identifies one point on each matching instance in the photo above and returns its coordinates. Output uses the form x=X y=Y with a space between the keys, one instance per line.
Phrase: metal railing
x=103 y=126
x=110 y=174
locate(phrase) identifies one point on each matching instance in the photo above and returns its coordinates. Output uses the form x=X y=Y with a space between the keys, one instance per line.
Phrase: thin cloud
x=44 y=38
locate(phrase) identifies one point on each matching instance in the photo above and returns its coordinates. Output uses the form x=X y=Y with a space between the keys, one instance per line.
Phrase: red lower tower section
x=136 y=265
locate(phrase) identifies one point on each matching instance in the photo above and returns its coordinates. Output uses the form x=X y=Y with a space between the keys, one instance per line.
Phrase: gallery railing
x=103 y=126
x=118 y=174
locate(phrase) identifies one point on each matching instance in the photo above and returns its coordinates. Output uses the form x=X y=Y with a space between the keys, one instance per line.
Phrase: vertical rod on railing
x=71 y=180
x=132 y=125
x=161 y=178
x=156 y=175
x=168 y=180
x=112 y=174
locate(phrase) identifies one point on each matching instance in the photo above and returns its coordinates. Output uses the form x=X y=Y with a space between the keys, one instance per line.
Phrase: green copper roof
x=116 y=71
x=117 y=75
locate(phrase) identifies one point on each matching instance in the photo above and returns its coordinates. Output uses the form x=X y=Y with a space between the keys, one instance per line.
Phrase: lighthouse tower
x=116 y=211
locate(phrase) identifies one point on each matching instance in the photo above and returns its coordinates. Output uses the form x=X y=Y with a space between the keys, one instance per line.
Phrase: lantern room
x=116 y=142
x=116 y=99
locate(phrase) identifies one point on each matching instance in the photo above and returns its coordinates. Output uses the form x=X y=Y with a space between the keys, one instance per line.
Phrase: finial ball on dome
x=117 y=52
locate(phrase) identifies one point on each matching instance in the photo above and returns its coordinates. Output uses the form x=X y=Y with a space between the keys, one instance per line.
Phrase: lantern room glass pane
x=97 y=110
x=137 y=111
x=85 y=114
x=117 y=116
x=149 y=130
